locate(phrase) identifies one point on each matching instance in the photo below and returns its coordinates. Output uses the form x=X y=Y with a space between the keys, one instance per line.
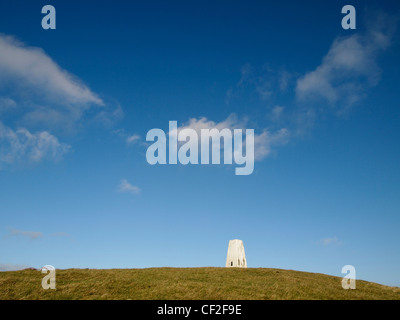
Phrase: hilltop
x=208 y=283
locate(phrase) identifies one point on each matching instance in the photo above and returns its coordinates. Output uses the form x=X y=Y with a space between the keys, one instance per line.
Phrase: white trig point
x=236 y=256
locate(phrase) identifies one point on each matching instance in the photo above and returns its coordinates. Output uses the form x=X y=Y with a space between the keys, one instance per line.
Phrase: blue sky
x=76 y=103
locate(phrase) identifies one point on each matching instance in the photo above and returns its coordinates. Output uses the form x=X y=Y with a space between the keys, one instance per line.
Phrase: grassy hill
x=187 y=284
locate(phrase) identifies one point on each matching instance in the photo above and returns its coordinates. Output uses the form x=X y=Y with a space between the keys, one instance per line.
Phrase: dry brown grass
x=187 y=284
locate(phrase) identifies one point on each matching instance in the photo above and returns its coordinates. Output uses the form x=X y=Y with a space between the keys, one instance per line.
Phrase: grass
x=187 y=284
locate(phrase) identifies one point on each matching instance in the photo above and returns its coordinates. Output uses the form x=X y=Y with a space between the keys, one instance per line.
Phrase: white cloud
x=263 y=142
x=125 y=186
x=342 y=78
x=347 y=70
x=32 y=67
x=46 y=95
x=47 y=100
x=203 y=123
x=21 y=144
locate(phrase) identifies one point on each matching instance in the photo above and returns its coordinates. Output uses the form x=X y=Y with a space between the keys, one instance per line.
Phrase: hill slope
x=187 y=284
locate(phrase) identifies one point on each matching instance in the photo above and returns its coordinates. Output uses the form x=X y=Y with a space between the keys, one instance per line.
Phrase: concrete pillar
x=236 y=256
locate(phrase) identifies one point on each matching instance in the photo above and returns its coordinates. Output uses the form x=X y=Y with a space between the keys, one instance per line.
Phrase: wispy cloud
x=125 y=186
x=129 y=139
x=12 y=267
x=20 y=145
x=296 y=101
x=6 y=104
x=132 y=139
x=109 y=115
x=276 y=113
x=266 y=82
x=32 y=235
x=330 y=241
